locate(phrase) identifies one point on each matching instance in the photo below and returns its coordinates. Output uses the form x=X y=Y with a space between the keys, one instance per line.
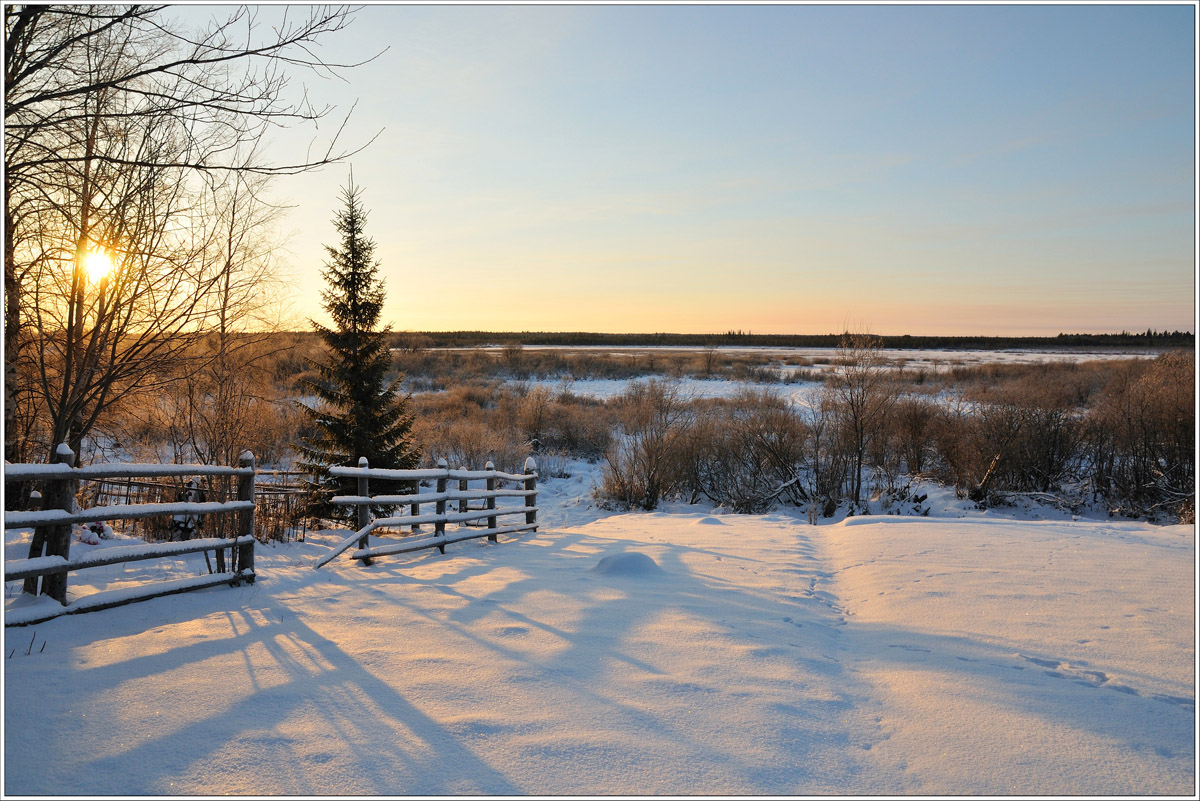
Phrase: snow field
x=756 y=655
x=1031 y=657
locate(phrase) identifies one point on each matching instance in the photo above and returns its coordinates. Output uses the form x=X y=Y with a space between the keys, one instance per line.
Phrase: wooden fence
x=53 y=526
x=463 y=495
x=279 y=504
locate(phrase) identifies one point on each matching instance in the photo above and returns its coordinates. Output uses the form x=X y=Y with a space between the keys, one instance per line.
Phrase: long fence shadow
x=395 y=747
x=597 y=641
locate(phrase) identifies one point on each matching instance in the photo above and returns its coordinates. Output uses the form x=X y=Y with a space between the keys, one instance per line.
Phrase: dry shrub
x=909 y=434
x=582 y=429
x=471 y=444
x=1141 y=438
x=642 y=463
x=745 y=453
x=960 y=460
x=827 y=453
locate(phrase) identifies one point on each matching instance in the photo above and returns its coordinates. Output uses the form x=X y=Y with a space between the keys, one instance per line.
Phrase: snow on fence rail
x=463 y=495
x=53 y=529
x=279 y=504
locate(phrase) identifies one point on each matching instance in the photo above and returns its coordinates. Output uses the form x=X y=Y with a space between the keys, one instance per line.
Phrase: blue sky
x=778 y=169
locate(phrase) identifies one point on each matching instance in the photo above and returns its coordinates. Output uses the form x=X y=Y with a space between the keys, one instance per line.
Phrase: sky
x=973 y=170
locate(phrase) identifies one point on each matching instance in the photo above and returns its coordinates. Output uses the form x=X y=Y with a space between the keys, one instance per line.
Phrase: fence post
x=531 y=487
x=414 y=509
x=364 y=512
x=59 y=494
x=440 y=526
x=220 y=552
x=491 y=499
x=244 y=560
x=462 y=487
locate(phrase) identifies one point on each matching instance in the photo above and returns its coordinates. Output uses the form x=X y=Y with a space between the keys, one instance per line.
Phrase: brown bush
x=1141 y=438
x=642 y=464
x=746 y=453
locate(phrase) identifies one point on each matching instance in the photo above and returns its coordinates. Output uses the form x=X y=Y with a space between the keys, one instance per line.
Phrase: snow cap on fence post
x=64 y=453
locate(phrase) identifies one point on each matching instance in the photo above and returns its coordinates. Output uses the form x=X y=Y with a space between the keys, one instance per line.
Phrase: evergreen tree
x=360 y=413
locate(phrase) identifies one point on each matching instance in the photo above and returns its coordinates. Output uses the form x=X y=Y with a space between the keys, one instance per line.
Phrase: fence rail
x=440 y=517
x=279 y=504
x=45 y=571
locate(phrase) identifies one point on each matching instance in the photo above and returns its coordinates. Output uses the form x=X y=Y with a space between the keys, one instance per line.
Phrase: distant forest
x=1145 y=339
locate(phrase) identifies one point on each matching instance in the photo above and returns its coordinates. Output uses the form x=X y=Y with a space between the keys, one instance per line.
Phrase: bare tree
x=227 y=404
x=825 y=456
x=865 y=395
x=642 y=465
x=115 y=119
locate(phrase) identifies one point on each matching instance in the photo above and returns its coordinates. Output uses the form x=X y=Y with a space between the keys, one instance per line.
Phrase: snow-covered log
x=35 y=472
x=15 y=569
x=428 y=474
x=121 y=511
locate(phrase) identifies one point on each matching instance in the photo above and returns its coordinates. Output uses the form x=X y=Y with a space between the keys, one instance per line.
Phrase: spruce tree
x=360 y=412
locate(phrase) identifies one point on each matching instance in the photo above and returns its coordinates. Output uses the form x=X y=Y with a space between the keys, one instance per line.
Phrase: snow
x=41 y=611
x=35 y=564
x=22 y=472
x=628 y=565
x=801 y=382
x=678 y=652
x=428 y=475
x=123 y=511
x=606 y=388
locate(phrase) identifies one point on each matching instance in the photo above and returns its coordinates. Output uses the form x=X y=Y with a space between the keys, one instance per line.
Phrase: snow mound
x=636 y=565
x=709 y=521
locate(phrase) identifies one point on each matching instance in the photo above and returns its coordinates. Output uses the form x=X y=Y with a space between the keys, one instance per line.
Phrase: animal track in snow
x=1096 y=678
x=1063 y=670
x=1178 y=700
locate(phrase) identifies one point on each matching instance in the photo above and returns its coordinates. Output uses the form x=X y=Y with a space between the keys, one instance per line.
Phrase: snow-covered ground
x=606 y=388
x=800 y=382
x=964 y=653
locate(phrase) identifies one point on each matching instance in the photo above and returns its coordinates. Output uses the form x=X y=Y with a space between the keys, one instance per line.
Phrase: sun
x=98 y=264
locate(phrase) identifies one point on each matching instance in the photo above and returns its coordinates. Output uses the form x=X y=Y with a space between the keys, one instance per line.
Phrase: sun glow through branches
x=97 y=264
